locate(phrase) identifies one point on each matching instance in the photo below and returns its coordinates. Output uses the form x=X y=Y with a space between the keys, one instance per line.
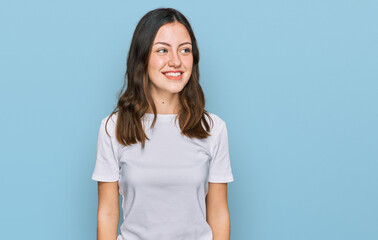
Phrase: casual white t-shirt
x=164 y=185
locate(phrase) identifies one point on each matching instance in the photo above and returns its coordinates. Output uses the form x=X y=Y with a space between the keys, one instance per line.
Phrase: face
x=171 y=60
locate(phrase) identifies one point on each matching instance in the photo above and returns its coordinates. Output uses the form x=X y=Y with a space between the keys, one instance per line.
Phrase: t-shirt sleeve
x=107 y=165
x=220 y=166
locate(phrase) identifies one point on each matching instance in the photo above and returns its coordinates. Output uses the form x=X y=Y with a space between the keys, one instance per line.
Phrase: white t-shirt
x=164 y=185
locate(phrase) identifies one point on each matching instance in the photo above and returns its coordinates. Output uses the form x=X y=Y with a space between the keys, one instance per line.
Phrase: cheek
x=188 y=62
x=156 y=63
x=153 y=68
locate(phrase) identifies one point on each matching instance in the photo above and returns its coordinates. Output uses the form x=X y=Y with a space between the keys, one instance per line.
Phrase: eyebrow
x=167 y=44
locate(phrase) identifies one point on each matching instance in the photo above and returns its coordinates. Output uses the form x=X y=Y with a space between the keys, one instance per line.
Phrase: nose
x=174 y=60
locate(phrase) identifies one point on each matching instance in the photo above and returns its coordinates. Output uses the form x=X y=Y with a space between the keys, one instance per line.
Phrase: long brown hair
x=136 y=100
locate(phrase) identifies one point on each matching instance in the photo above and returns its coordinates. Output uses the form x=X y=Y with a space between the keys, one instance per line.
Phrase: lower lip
x=173 y=78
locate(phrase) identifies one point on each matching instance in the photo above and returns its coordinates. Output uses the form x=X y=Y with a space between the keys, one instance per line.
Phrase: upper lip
x=173 y=71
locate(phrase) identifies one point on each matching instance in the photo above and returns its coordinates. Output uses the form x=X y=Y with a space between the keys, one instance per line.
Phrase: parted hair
x=135 y=101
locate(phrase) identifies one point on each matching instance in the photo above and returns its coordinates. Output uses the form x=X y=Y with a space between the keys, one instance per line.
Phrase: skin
x=108 y=211
x=171 y=51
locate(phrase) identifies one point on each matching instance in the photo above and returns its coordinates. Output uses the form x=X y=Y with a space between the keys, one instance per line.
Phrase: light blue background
x=295 y=81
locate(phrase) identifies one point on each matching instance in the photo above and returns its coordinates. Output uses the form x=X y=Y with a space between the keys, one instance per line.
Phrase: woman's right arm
x=108 y=211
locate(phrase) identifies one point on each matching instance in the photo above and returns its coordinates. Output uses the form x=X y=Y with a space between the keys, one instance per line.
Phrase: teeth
x=176 y=74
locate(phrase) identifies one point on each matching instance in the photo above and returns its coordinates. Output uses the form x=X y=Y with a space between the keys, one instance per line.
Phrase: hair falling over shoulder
x=135 y=101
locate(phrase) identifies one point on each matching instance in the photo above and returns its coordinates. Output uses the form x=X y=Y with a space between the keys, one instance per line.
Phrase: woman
x=160 y=149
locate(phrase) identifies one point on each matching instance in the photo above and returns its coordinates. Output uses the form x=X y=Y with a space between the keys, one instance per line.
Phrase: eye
x=186 y=50
x=163 y=50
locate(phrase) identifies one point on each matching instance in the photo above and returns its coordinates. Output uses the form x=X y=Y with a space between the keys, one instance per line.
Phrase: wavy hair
x=136 y=100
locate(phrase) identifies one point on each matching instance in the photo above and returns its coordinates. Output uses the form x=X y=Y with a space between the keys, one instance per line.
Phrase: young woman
x=160 y=149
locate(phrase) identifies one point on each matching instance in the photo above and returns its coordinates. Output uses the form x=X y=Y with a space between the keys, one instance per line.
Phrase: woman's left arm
x=217 y=214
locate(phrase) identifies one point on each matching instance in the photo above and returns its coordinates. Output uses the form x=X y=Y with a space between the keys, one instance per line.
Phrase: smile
x=175 y=75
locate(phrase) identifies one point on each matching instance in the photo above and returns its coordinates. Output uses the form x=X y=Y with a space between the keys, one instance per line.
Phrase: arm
x=217 y=214
x=108 y=211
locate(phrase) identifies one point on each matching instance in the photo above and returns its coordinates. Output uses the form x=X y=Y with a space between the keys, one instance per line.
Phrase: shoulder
x=216 y=123
x=216 y=118
x=109 y=123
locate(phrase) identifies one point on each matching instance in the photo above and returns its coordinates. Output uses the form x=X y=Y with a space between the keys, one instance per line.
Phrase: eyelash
x=159 y=51
x=187 y=50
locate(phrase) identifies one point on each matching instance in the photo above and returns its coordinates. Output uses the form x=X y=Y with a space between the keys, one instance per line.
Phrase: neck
x=166 y=103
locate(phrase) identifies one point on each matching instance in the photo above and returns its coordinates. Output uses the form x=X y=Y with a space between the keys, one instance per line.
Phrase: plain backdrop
x=296 y=82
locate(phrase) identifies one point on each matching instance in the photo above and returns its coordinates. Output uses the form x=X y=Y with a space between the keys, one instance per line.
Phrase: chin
x=176 y=90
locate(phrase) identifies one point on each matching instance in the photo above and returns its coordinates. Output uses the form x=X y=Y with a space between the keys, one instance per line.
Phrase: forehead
x=172 y=33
